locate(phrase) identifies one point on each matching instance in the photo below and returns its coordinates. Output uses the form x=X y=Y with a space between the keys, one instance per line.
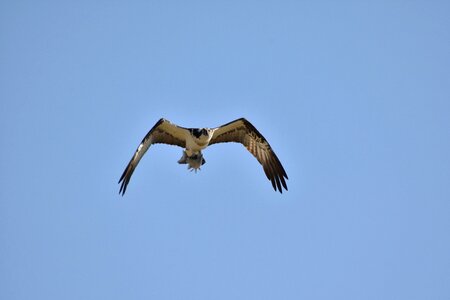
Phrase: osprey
x=194 y=140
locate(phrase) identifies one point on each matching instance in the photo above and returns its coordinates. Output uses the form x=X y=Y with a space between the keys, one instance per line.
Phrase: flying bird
x=194 y=140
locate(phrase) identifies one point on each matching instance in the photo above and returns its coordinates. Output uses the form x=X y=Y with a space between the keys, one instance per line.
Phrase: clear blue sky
x=353 y=96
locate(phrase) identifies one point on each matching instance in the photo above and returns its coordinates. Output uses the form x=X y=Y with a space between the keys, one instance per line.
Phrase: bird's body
x=194 y=140
x=198 y=139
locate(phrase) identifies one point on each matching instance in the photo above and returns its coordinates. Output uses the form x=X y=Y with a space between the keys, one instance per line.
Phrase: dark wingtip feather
x=278 y=182
x=125 y=178
x=123 y=186
x=272 y=180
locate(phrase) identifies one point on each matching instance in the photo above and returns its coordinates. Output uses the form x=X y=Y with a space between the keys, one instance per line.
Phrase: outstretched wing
x=163 y=132
x=242 y=131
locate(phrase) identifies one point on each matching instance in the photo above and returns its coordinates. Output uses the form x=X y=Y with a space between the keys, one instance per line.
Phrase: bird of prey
x=194 y=140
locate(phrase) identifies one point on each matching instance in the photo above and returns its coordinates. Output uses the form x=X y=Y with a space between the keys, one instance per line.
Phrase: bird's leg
x=183 y=159
x=195 y=161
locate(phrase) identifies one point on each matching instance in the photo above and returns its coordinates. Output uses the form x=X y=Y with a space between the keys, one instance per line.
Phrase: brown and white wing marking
x=163 y=132
x=242 y=131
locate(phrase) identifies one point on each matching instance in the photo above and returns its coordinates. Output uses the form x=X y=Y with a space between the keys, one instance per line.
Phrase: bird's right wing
x=163 y=132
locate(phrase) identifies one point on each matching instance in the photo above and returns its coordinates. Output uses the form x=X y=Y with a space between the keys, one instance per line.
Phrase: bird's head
x=204 y=131
x=200 y=133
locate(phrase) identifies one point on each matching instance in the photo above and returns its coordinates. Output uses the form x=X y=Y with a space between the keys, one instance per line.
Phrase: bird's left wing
x=242 y=131
x=163 y=132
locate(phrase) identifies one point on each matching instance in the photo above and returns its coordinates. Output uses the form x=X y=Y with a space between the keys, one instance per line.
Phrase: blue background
x=353 y=96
